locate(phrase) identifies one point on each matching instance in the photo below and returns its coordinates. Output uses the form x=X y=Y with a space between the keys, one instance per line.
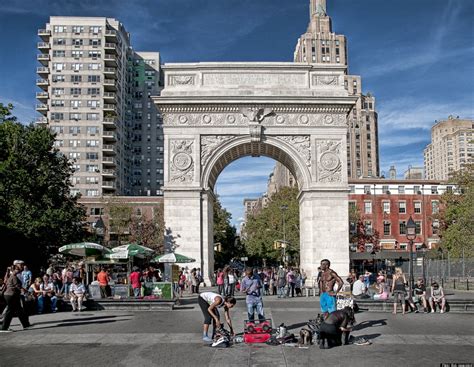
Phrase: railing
x=42 y=81
x=42 y=57
x=110 y=32
x=41 y=94
x=108 y=147
x=41 y=120
x=41 y=106
x=108 y=134
x=109 y=82
x=110 y=184
x=42 y=69
x=111 y=120
x=43 y=44
x=108 y=160
x=109 y=107
x=109 y=95
x=108 y=171
x=110 y=70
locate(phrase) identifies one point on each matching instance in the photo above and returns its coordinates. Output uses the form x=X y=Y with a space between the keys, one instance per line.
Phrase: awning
x=381 y=255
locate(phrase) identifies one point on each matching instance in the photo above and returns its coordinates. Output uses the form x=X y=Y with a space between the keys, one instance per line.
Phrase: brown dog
x=306 y=338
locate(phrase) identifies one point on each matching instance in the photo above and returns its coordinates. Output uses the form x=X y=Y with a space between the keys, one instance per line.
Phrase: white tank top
x=210 y=297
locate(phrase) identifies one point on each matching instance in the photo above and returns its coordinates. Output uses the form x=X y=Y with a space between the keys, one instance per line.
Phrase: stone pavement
x=173 y=338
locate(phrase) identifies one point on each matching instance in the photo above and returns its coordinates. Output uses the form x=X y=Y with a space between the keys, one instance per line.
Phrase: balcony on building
x=43 y=59
x=110 y=108
x=110 y=185
x=111 y=48
x=109 y=135
x=42 y=108
x=107 y=172
x=111 y=35
x=44 y=46
x=109 y=84
x=110 y=60
x=110 y=122
x=42 y=96
x=44 y=34
x=109 y=161
x=42 y=83
x=108 y=149
x=42 y=70
x=110 y=97
x=110 y=72
x=41 y=121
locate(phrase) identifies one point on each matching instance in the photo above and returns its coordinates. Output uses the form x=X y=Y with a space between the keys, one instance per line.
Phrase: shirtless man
x=327 y=281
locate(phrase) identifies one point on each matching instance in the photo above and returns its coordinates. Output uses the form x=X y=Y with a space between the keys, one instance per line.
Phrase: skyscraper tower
x=320 y=45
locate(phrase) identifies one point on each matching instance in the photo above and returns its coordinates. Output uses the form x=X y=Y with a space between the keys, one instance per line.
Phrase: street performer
x=326 y=287
x=210 y=302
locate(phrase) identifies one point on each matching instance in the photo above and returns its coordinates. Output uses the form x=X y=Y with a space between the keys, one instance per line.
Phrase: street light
x=423 y=250
x=284 y=208
x=411 y=235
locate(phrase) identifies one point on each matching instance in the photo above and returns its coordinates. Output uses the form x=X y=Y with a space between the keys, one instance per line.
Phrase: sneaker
x=432 y=311
x=206 y=339
x=442 y=311
x=6 y=331
x=416 y=311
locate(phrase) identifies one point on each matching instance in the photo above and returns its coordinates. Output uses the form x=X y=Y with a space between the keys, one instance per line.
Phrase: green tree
x=120 y=221
x=149 y=231
x=37 y=212
x=456 y=214
x=224 y=236
x=277 y=221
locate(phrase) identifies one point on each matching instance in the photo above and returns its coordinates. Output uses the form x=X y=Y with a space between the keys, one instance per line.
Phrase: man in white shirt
x=77 y=292
x=359 y=289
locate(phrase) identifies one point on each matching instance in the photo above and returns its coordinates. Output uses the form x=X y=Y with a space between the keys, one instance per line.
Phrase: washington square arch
x=215 y=113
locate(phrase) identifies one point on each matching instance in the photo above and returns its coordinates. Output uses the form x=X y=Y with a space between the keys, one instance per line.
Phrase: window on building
x=59 y=29
x=57 y=103
x=74 y=155
x=75 y=116
x=59 y=41
x=75 y=91
x=386 y=228
x=385 y=189
x=434 y=190
x=418 y=227
x=402 y=227
x=352 y=189
x=95 y=29
x=401 y=189
x=417 y=207
x=77 y=29
x=58 y=78
x=75 y=103
x=434 y=207
x=92 y=168
x=367 y=189
x=93 y=91
x=92 y=180
x=92 y=156
x=77 y=42
x=92 y=143
x=57 y=91
x=402 y=207
x=93 y=78
x=92 y=116
x=367 y=207
x=92 y=192
x=416 y=190
x=76 y=78
x=56 y=116
x=76 y=54
x=94 y=54
x=59 y=53
x=96 y=211
x=386 y=207
x=435 y=226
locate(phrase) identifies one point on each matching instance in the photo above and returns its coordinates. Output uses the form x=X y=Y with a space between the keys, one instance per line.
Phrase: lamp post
x=411 y=235
x=283 y=210
x=423 y=250
x=100 y=229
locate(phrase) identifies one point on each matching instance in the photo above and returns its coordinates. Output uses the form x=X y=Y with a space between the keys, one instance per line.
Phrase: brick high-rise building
x=320 y=45
x=95 y=95
x=452 y=146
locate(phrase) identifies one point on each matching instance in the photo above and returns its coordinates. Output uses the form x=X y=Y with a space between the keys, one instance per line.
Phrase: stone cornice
x=235 y=108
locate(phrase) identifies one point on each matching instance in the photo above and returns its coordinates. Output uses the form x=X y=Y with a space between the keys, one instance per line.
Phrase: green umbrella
x=84 y=249
x=130 y=250
x=173 y=258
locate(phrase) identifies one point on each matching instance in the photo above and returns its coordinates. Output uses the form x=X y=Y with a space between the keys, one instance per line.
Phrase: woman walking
x=12 y=299
x=398 y=290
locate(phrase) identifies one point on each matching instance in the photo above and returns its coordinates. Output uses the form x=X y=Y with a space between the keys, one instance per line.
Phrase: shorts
x=208 y=319
x=327 y=302
x=400 y=296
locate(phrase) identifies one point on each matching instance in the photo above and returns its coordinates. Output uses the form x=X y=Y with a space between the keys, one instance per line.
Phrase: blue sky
x=415 y=56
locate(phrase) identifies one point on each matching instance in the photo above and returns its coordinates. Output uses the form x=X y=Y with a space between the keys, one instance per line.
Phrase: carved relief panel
x=181 y=161
x=329 y=161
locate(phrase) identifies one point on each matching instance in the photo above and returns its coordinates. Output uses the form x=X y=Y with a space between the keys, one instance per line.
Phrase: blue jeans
x=281 y=292
x=41 y=300
x=255 y=306
x=136 y=292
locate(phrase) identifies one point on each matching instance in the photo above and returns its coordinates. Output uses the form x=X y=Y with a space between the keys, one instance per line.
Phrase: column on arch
x=324 y=233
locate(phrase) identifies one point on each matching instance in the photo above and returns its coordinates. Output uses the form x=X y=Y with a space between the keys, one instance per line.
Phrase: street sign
x=244 y=259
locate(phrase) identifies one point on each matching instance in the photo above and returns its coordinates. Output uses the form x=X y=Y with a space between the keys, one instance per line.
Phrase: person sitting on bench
x=359 y=289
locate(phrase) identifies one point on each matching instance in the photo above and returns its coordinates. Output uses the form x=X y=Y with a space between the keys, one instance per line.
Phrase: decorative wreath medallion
x=280 y=119
x=231 y=119
x=206 y=119
x=328 y=119
x=182 y=161
x=330 y=161
x=183 y=119
x=304 y=119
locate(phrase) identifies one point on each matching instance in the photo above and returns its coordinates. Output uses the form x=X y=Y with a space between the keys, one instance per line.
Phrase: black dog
x=332 y=329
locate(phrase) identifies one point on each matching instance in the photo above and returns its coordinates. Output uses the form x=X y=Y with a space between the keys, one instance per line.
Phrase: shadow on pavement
x=368 y=336
x=296 y=326
x=370 y=323
x=80 y=323
x=75 y=321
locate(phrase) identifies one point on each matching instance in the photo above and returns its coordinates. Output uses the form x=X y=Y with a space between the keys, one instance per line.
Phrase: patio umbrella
x=173 y=258
x=83 y=249
x=130 y=250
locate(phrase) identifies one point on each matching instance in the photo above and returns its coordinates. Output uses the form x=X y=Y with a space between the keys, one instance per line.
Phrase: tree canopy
x=37 y=212
x=457 y=214
x=279 y=220
x=225 y=236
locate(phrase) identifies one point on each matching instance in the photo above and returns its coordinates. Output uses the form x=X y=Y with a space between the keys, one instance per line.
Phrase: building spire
x=317 y=7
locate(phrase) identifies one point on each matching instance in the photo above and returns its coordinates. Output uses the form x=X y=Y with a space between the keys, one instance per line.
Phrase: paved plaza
x=173 y=338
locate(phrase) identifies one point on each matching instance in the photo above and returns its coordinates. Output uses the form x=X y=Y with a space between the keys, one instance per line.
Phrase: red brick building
x=386 y=205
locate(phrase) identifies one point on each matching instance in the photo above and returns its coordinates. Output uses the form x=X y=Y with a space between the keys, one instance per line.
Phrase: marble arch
x=215 y=113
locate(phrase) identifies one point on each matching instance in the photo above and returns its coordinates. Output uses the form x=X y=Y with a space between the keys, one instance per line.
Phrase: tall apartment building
x=452 y=146
x=320 y=45
x=88 y=99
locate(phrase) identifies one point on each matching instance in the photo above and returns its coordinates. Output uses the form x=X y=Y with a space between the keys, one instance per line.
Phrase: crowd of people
x=396 y=284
